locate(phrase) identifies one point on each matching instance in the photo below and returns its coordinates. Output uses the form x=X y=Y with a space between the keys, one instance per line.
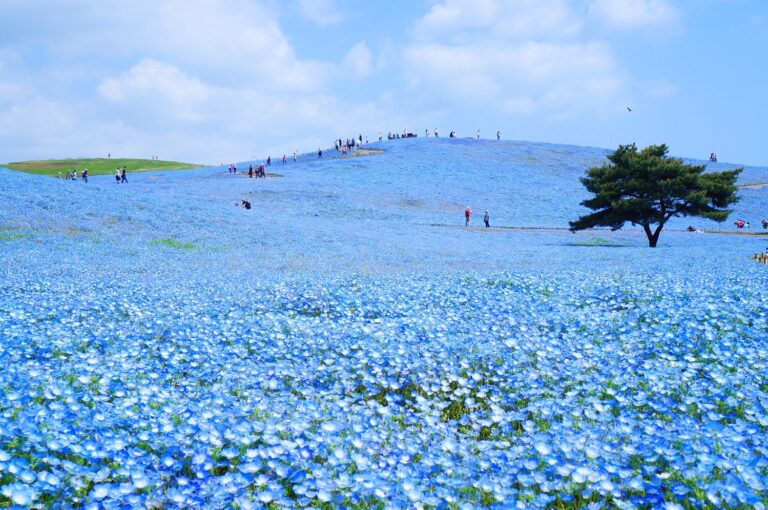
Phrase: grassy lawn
x=95 y=166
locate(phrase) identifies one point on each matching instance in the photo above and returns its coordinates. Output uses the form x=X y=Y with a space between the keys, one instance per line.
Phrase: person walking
x=467 y=214
x=319 y=153
x=478 y=134
x=269 y=160
x=294 y=156
x=122 y=176
x=283 y=158
x=84 y=175
x=498 y=135
x=117 y=176
x=487 y=219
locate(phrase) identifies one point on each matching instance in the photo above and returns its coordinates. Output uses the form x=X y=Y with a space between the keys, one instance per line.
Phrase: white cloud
x=151 y=78
x=227 y=40
x=628 y=14
x=322 y=12
x=520 y=56
x=465 y=20
x=527 y=78
x=359 y=60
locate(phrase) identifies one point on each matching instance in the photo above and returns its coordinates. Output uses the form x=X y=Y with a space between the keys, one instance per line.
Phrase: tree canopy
x=647 y=188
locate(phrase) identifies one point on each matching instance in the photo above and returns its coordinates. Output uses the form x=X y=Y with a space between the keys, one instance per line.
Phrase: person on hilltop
x=294 y=156
x=478 y=134
x=319 y=153
x=467 y=214
x=498 y=135
x=283 y=158
x=435 y=132
x=487 y=219
x=269 y=160
x=250 y=171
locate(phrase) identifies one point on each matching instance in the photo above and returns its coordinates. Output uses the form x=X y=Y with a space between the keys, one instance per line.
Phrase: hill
x=347 y=342
x=95 y=166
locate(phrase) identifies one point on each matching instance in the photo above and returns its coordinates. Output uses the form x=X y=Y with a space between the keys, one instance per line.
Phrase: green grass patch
x=13 y=236
x=96 y=166
x=600 y=242
x=175 y=244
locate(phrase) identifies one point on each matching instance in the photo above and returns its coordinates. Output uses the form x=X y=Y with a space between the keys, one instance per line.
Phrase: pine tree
x=647 y=188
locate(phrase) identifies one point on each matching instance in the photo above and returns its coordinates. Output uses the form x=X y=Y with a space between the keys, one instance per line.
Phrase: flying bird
x=629 y=109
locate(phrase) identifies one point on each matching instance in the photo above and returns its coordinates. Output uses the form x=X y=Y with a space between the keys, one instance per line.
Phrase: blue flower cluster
x=346 y=344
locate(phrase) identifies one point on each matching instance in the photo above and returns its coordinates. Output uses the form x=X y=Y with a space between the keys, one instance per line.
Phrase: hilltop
x=96 y=166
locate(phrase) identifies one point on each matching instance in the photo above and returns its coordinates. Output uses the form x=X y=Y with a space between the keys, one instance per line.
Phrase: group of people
x=72 y=176
x=258 y=172
x=345 y=146
x=120 y=176
x=468 y=215
x=745 y=224
x=452 y=134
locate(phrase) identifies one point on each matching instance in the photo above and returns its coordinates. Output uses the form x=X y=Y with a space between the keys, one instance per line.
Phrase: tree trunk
x=649 y=234
x=653 y=237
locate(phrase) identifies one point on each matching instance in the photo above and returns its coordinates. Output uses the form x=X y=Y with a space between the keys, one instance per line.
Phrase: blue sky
x=226 y=80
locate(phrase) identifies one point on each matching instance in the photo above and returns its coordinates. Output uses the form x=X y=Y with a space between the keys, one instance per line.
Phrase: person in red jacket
x=467 y=214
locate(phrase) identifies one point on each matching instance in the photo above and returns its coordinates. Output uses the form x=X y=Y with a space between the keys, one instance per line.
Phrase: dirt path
x=507 y=228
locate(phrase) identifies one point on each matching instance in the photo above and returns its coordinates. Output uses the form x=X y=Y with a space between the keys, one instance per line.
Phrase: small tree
x=647 y=188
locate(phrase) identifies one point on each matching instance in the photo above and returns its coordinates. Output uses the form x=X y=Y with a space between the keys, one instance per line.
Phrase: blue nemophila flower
x=135 y=381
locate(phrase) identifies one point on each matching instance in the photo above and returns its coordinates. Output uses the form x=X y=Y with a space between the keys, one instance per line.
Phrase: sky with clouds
x=207 y=81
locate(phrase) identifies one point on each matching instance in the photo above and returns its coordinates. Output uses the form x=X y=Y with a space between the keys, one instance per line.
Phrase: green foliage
x=95 y=166
x=647 y=188
x=173 y=243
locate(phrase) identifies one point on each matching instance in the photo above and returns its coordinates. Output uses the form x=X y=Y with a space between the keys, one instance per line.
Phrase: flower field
x=347 y=343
